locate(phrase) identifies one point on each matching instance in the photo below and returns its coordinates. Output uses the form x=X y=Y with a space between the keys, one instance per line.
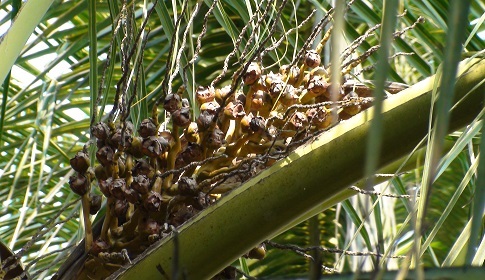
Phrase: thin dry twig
x=182 y=47
x=237 y=76
x=34 y=261
x=202 y=34
x=126 y=55
x=361 y=191
x=252 y=37
x=278 y=43
x=238 y=41
x=190 y=165
x=105 y=68
x=412 y=26
x=168 y=67
x=318 y=28
x=372 y=67
x=341 y=103
x=357 y=42
x=351 y=64
x=301 y=250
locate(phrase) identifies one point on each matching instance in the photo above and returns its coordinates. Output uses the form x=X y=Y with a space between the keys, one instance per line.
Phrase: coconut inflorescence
x=157 y=177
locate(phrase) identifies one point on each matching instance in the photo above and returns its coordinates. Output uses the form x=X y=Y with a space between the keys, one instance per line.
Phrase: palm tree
x=46 y=118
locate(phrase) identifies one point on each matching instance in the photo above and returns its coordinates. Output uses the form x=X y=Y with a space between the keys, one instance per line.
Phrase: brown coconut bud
x=257 y=253
x=172 y=102
x=312 y=59
x=181 y=213
x=212 y=107
x=100 y=173
x=271 y=77
x=319 y=117
x=168 y=141
x=141 y=184
x=201 y=201
x=215 y=139
x=252 y=74
x=116 y=138
x=285 y=70
x=298 y=121
x=117 y=188
x=316 y=115
x=100 y=130
x=99 y=246
x=290 y=74
x=245 y=123
x=234 y=110
x=80 y=162
x=121 y=206
x=105 y=155
x=152 y=201
x=79 y=184
x=257 y=125
x=142 y=167
x=276 y=85
x=132 y=196
x=317 y=85
x=352 y=109
x=339 y=92
x=228 y=109
x=260 y=99
x=94 y=203
x=187 y=186
x=205 y=94
x=129 y=127
x=222 y=93
x=104 y=186
x=179 y=162
x=204 y=121
x=147 y=128
x=240 y=97
x=135 y=147
x=191 y=133
x=153 y=146
x=193 y=152
x=181 y=117
x=149 y=226
x=320 y=71
x=289 y=96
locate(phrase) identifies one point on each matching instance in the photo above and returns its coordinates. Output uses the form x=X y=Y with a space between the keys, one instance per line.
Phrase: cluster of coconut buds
x=154 y=179
x=128 y=175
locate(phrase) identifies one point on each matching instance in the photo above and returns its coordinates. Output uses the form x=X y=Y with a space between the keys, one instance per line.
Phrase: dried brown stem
x=296 y=248
x=182 y=47
x=238 y=42
x=361 y=191
x=202 y=34
x=278 y=43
